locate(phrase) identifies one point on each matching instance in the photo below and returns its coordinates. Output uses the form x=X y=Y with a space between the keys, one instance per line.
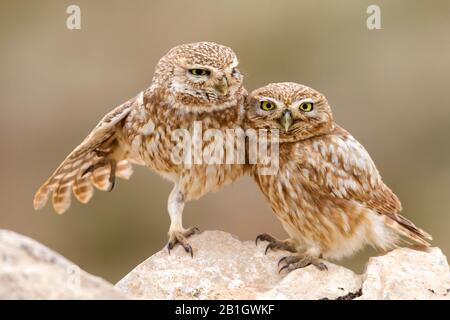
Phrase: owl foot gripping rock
x=291 y=262
x=180 y=237
x=300 y=261
x=275 y=244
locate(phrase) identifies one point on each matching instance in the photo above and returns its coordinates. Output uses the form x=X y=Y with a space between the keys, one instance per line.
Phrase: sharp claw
x=281 y=260
x=112 y=184
x=261 y=237
x=188 y=249
x=179 y=238
x=322 y=266
x=282 y=268
x=267 y=248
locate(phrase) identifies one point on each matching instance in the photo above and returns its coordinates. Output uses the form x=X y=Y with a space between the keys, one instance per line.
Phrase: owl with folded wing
x=327 y=193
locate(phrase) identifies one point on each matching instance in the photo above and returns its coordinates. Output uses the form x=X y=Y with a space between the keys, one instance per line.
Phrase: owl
x=327 y=193
x=194 y=85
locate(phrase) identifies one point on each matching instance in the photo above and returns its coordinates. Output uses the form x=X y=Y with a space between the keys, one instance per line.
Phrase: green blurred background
x=388 y=87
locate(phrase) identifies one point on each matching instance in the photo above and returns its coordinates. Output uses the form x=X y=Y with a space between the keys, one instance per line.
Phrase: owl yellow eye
x=267 y=105
x=199 y=72
x=306 y=106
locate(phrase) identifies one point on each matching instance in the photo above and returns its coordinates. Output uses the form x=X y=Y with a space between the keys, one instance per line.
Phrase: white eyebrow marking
x=298 y=102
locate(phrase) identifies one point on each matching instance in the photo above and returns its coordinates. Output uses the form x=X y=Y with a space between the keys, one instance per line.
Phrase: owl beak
x=221 y=86
x=286 y=120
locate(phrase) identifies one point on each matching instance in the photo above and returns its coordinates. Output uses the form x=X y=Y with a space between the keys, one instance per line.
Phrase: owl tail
x=407 y=229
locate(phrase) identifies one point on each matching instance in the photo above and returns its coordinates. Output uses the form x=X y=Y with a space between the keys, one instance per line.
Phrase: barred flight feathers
x=94 y=150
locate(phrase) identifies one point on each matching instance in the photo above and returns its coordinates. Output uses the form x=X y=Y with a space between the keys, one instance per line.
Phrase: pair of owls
x=327 y=192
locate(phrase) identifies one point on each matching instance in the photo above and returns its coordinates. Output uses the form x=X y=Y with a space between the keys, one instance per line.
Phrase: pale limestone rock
x=407 y=274
x=312 y=284
x=223 y=267
x=29 y=270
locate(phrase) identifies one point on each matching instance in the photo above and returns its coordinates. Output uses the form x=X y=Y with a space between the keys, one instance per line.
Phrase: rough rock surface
x=223 y=267
x=29 y=270
x=407 y=274
x=226 y=268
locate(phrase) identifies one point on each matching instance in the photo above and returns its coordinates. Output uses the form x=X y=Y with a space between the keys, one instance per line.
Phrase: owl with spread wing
x=196 y=83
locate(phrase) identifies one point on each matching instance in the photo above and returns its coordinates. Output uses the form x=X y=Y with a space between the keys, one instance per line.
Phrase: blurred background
x=388 y=87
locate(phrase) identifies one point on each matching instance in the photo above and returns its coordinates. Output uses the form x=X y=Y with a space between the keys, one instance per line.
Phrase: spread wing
x=95 y=162
x=340 y=166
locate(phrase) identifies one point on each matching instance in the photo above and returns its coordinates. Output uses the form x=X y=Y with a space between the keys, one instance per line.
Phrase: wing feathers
x=342 y=167
x=124 y=169
x=101 y=178
x=71 y=175
x=83 y=189
x=61 y=197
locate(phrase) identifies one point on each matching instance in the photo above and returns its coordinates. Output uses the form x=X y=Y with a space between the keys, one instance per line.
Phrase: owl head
x=297 y=111
x=201 y=75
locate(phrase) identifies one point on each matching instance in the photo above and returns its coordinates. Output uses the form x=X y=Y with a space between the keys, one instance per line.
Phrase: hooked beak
x=286 y=120
x=221 y=86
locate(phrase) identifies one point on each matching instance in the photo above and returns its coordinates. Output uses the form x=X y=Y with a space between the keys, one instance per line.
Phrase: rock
x=312 y=283
x=224 y=267
x=29 y=270
x=407 y=274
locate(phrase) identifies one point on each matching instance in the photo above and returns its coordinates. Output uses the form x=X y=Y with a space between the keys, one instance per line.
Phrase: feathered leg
x=178 y=234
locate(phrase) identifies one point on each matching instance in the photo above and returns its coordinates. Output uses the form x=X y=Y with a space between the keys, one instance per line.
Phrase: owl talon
x=281 y=261
x=264 y=237
x=297 y=262
x=112 y=174
x=275 y=243
x=112 y=183
x=181 y=239
x=188 y=249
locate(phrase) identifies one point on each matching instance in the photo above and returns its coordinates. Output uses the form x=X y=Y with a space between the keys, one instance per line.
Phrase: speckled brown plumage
x=328 y=194
x=139 y=131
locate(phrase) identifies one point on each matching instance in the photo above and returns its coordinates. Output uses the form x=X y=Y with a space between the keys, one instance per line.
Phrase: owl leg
x=178 y=234
x=275 y=244
x=300 y=261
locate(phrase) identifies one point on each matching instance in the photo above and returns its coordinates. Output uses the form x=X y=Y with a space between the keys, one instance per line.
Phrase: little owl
x=328 y=194
x=192 y=82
